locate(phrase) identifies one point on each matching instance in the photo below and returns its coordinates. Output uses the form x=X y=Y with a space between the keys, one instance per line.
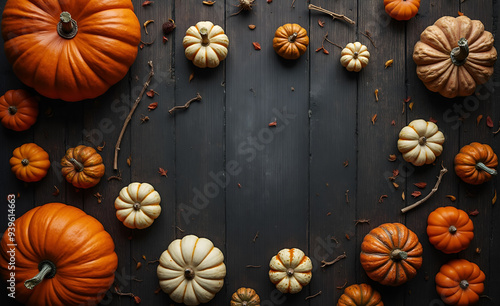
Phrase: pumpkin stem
x=189 y=273
x=245 y=303
x=422 y=140
x=204 y=37
x=137 y=206
x=486 y=169
x=464 y=284
x=25 y=162
x=452 y=229
x=459 y=54
x=290 y=272
x=355 y=55
x=67 y=27
x=292 y=37
x=47 y=270
x=398 y=255
x=78 y=165
x=12 y=110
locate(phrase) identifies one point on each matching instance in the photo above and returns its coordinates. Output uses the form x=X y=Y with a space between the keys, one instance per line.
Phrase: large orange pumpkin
x=62 y=257
x=70 y=50
x=391 y=254
x=18 y=110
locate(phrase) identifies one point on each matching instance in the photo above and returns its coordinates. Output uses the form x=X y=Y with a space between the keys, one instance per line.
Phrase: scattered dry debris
x=253 y=266
x=388 y=63
x=381 y=198
x=99 y=148
x=345 y=163
x=321 y=23
x=146 y=3
x=251 y=26
x=440 y=177
x=338 y=258
x=343 y=286
x=478 y=119
x=144 y=118
x=451 y=197
x=420 y=185
x=168 y=26
x=313 y=296
x=374 y=118
x=347 y=196
x=334 y=15
x=273 y=124
x=151 y=93
x=145 y=25
x=256 y=46
x=376 y=95
x=255 y=237
x=98 y=196
x=489 y=122
x=392 y=157
x=185 y=106
x=209 y=3
x=416 y=194
x=360 y=221
x=162 y=172
x=116 y=177
x=474 y=212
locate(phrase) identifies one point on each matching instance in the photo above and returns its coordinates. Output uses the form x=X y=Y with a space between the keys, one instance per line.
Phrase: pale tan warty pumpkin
x=420 y=142
x=191 y=270
x=138 y=205
x=205 y=44
x=355 y=56
x=454 y=55
x=290 y=270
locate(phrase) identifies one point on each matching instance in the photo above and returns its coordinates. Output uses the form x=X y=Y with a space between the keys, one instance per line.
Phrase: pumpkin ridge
x=392 y=246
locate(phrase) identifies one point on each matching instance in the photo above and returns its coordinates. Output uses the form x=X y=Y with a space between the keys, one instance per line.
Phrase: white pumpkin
x=138 y=205
x=354 y=56
x=205 y=44
x=290 y=270
x=191 y=270
x=420 y=142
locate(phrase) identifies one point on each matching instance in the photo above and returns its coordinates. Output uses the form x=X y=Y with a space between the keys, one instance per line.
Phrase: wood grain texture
x=254 y=189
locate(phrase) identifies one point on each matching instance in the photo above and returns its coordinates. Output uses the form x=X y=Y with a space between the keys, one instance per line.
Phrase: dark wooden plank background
x=231 y=178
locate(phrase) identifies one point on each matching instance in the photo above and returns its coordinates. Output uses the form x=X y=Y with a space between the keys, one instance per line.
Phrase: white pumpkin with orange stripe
x=290 y=270
x=138 y=205
x=191 y=270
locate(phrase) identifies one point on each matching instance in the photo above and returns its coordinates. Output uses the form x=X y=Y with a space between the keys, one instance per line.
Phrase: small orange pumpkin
x=18 y=110
x=290 y=41
x=476 y=163
x=391 y=254
x=360 y=295
x=449 y=229
x=30 y=162
x=402 y=9
x=460 y=282
x=82 y=167
x=245 y=297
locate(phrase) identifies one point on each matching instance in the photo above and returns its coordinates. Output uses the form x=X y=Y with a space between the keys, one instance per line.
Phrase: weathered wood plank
x=333 y=155
x=270 y=163
x=427 y=105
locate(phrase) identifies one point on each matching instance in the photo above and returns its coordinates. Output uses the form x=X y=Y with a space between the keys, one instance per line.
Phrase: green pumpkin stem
x=464 y=284
x=47 y=270
x=486 y=169
x=398 y=255
x=459 y=54
x=78 y=165
x=12 y=110
x=67 y=27
x=204 y=36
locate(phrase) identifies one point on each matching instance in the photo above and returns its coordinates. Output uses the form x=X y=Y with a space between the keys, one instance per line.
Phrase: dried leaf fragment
x=325 y=51
x=144 y=119
x=393 y=122
x=56 y=191
x=251 y=26
x=146 y=3
x=137 y=299
x=388 y=63
x=460 y=13
x=382 y=197
x=191 y=77
x=403 y=195
x=451 y=197
x=99 y=148
x=146 y=25
x=209 y=3
x=420 y=185
x=478 y=119
x=494 y=200
x=152 y=106
x=162 y=172
x=376 y=95
x=433 y=120
x=98 y=196
x=392 y=157
x=256 y=45
x=129 y=160
x=416 y=194
x=138 y=265
x=273 y=124
x=321 y=23
x=410 y=106
x=396 y=185
x=474 y=212
x=374 y=118
x=345 y=163
x=489 y=122
x=151 y=93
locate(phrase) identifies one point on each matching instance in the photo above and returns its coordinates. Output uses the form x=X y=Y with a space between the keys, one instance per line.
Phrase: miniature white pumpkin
x=205 y=44
x=420 y=142
x=191 y=270
x=290 y=270
x=355 y=56
x=138 y=205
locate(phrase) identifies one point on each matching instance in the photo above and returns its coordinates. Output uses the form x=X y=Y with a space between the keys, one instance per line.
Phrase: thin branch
x=127 y=120
x=313 y=296
x=185 y=106
x=334 y=15
x=252 y=266
x=329 y=263
x=440 y=177
x=370 y=38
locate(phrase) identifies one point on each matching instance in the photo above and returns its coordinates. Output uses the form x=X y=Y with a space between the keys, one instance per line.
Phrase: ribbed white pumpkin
x=138 y=205
x=354 y=56
x=420 y=142
x=205 y=44
x=191 y=270
x=290 y=270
